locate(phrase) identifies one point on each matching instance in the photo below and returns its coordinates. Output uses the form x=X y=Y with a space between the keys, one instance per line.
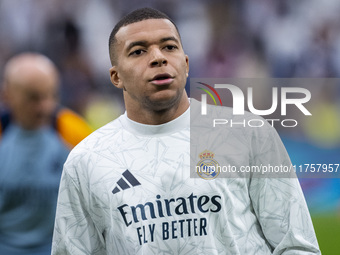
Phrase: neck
x=157 y=117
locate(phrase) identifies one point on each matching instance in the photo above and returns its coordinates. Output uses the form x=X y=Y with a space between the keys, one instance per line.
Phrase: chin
x=163 y=103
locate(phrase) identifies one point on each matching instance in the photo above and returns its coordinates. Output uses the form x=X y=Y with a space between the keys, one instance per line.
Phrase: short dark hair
x=133 y=17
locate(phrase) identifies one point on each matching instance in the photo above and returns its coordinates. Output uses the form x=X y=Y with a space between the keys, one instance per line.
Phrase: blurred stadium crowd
x=249 y=38
x=245 y=39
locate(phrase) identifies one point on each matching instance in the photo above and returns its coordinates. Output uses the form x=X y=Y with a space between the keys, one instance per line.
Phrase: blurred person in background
x=36 y=136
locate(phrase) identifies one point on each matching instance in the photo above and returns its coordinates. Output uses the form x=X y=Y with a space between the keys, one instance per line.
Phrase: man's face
x=151 y=66
x=33 y=99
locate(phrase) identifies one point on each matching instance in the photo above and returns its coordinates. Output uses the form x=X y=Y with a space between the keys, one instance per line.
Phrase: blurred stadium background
x=246 y=39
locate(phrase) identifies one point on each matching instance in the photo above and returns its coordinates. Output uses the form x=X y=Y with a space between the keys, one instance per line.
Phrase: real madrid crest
x=207 y=168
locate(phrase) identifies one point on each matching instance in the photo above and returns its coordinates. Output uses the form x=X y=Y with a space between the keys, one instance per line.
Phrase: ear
x=187 y=65
x=114 y=77
x=4 y=92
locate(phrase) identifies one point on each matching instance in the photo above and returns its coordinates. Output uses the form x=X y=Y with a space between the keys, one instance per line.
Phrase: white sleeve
x=280 y=205
x=75 y=232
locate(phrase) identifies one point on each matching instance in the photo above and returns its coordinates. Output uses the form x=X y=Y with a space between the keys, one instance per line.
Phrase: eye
x=171 y=47
x=137 y=52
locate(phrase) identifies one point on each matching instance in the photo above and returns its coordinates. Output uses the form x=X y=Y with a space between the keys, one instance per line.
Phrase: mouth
x=162 y=79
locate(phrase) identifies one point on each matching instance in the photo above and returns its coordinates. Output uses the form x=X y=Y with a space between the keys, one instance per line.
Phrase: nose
x=158 y=58
x=46 y=104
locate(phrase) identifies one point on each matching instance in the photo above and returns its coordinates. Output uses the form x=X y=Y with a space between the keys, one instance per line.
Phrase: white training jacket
x=126 y=189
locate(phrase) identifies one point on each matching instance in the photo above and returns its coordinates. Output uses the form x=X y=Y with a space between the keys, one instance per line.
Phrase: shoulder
x=99 y=141
x=221 y=126
x=221 y=119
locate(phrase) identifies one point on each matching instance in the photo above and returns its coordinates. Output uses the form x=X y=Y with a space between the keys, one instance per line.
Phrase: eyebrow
x=145 y=43
x=170 y=38
x=136 y=43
